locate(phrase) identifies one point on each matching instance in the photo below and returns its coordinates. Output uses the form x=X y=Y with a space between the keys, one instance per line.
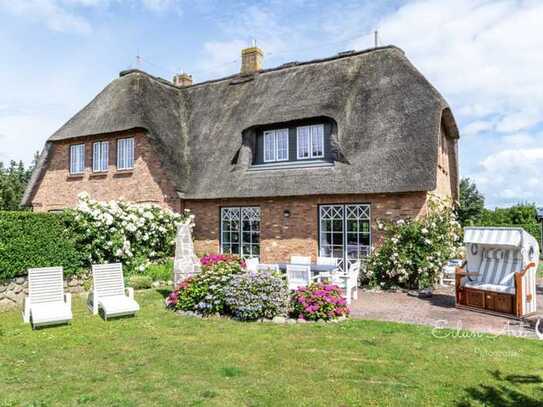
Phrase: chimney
x=251 y=59
x=182 y=80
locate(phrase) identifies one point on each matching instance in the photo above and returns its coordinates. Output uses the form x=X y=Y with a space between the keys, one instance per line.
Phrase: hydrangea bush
x=254 y=295
x=118 y=231
x=205 y=292
x=414 y=250
x=318 y=301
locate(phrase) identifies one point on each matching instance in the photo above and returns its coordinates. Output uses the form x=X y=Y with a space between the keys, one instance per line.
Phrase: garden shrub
x=119 y=231
x=318 y=301
x=205 y=292
x=254 y=295
x=139 y=282
x=29 y=239
x=160 y=271
x=414 y=251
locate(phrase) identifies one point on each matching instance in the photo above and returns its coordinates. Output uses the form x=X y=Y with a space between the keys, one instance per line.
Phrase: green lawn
x=159 y=358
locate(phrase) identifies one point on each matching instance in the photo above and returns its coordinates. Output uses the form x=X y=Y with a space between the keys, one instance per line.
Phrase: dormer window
x=294 y=144
x=310 y=141
x=275 y=145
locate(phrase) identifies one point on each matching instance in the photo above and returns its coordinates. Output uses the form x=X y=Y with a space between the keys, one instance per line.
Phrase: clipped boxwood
x=29 y=239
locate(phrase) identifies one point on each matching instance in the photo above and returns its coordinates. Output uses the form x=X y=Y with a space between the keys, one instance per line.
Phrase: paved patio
x=437 y=311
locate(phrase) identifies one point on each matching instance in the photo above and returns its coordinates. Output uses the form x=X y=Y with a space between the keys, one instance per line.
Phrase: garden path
x=437 y=311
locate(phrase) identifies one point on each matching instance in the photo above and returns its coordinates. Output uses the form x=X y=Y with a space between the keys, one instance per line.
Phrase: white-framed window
x=310 y=141
x=77 y=159
x=276 y=145
x=240 y=231
x=100 y=156
x=125 y=153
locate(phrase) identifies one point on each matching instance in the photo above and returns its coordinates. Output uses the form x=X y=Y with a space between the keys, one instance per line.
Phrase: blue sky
x=485 y=57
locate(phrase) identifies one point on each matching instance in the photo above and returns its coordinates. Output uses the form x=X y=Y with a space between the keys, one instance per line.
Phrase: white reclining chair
x=46 y=303
x=252 y=264
x=108 y=292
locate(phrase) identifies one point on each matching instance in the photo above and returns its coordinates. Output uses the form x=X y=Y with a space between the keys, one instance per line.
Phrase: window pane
x=77 y=158
x=269 y=146
x=317 y=141
x=125 y=153
x=282 y=144
x=303 y=142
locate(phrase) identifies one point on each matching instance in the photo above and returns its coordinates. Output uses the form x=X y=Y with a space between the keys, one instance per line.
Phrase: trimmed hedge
x=29 y=239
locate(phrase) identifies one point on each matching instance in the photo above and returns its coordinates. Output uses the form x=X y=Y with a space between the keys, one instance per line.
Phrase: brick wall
x=297 y=234
x=147 y=182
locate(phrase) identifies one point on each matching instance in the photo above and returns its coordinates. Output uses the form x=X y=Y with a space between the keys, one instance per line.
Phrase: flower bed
x=225 y=288
x=318 y=301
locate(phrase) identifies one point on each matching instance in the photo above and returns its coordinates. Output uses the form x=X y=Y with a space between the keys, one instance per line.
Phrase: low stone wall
x=13 y=291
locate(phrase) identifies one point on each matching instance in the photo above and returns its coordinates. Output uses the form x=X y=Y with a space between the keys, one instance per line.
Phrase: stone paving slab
x=437 y=311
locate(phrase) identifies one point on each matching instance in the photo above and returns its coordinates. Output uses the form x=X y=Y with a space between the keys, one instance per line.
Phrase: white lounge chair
x=108 y=292
x=298 y=276
x=300 y=260
x=349 y=281
x=46 y=303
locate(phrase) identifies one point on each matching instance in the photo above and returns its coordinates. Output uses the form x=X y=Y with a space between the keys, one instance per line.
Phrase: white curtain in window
x=269 y=146
x=303 y=134
x=100 y=156
x=317 y=141
x=77 y=158
x=125 y=153
x=281 y=138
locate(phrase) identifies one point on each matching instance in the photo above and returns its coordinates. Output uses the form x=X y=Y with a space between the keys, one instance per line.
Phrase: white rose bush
x=118 y=231
x=414 y=250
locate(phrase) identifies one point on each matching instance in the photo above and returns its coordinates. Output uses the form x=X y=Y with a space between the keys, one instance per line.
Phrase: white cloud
x=477 y=127
x=55 y=16
x=520 y=120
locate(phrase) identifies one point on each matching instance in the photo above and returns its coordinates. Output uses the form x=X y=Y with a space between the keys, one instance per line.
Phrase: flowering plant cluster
x=205 y=292
x=119 y=231
x=254 y=295
x=414 y=251
x=318 y=301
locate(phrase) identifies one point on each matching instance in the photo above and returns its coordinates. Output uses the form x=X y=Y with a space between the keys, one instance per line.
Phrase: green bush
x=160 y=271
x=139 y=282
x=29 y=239
x=414 y=251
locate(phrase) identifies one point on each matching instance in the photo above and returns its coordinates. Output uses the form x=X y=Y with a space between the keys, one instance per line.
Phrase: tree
x=13 y=181
x=472 y=203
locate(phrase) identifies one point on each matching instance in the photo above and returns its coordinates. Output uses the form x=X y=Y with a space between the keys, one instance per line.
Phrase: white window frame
x=125 y=158
x=312 y=133
x=100 y=157
x=274 y=135
x=77 y=159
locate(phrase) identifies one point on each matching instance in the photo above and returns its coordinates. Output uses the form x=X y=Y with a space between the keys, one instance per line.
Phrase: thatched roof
x=388 y=118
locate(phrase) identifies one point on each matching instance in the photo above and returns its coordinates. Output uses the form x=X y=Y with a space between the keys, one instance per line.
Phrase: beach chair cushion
x=497 y=271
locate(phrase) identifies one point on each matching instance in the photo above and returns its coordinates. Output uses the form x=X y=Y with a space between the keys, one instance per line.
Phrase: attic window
x=310 y=140
x=275 y=145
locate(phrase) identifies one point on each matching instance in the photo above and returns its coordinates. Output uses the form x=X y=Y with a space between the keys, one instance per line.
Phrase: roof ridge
x=286 y=65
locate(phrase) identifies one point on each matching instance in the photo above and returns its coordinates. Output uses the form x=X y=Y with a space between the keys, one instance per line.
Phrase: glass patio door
x=344 y=232
x=240 y=231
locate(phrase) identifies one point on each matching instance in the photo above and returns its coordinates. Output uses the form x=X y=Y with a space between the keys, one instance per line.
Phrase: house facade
x=304 y=158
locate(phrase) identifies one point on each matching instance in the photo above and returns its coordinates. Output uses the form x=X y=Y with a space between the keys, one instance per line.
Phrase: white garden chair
x=300 y=260
x=46 y=303
x=328 y=261
x=252 y=264
x=108 y=292
x=298 y=276
x=348 y=281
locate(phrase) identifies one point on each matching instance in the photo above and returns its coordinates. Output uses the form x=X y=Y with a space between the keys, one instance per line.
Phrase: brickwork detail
x=298 y=233
x=147 y=182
